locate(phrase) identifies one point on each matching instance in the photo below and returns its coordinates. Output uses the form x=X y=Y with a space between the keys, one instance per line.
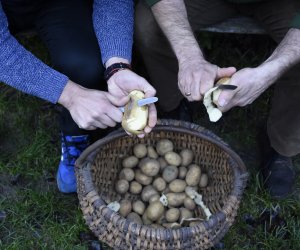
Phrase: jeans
x=66 y=28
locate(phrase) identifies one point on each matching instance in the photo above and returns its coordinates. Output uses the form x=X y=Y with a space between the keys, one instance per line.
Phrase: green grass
x=39 y=217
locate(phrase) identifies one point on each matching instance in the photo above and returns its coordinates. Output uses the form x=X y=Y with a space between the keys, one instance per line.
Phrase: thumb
x=225 y=72
x=117 y=101
x=225 y=97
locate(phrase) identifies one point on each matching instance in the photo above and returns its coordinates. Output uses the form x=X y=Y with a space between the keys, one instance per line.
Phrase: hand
x=251 y=82
x=123 y=82
x=92 y=109
x=196 y=76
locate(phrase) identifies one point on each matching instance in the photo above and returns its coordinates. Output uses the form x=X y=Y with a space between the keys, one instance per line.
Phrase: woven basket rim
x=239 y=170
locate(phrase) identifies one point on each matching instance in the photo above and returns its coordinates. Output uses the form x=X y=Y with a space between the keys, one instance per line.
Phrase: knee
x=85 y=69
x=146 y=27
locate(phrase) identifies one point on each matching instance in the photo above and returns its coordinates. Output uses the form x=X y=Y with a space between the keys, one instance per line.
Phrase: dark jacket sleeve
x=151 y=2
x=296 y=22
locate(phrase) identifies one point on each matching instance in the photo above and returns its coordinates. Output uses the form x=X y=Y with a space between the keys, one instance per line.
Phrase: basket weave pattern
x=97 y=171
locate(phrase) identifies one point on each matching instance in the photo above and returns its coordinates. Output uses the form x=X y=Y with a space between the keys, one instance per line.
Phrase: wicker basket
x=98 y=167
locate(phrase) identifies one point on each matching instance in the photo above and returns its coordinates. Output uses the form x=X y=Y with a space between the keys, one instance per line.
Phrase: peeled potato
x=135 y=118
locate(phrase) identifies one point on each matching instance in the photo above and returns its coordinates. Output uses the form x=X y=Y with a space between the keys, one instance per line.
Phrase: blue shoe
x=72 y=147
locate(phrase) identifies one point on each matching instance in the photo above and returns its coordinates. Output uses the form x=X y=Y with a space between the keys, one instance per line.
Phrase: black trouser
x=66 y=28
x=162 y=65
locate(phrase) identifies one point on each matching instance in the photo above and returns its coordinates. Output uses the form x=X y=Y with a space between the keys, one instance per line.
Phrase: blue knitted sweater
x=113 y=24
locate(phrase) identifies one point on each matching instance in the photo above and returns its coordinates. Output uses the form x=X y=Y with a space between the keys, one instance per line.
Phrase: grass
x=37 y=216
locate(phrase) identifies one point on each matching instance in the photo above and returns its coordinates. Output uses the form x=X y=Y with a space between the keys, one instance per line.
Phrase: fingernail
x=222 y=103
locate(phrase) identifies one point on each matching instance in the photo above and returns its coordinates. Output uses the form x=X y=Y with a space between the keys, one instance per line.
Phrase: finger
x=107 y=121
x=147 y=88
x=206 y=83
x=92 y=127
x=117 y=100
x=115 y=114
x=141 y=135
x=152 y=116
x=225 y=72
x=226 y=96
x=196 y=95
x=227 y=107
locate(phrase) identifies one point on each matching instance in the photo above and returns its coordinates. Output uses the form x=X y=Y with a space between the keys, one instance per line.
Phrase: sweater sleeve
x=23 y=71
x=113 y=24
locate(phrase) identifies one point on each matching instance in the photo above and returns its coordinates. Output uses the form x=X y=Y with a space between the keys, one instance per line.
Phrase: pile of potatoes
x=160 y=176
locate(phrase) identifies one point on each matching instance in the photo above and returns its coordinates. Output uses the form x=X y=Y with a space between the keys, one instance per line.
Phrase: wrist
x=191 y=56
x=114 y=68
x=114 y=60
x=66 y=98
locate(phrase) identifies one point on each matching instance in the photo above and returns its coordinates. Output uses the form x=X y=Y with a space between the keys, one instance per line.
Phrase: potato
x=193 y=175
x=162 y=219
x=182 y=172
x=203 y=181
x=135 y=187
x=177 y=186
x=173 y=159
x=147 y=193
x=189 y=203
x=164 y=146
x=170 y=173
x=157 y=226
x=149 y=167
x=134 y=217
x=151 y=153
x=187 y=156
x=125 y=207
x=155 y=210
x=142 y=178
x=175 y=199
x=126 y=174
x=122 y=186
x=130 y=162
x=138 y=207
x=173 y=225
x=162 y=162
x=172 y=214
x=159 y=184
x=154 y=197
x=185 y=214
x=146 y=220
x=135 y=117
x=140 y=150
x=194 y=223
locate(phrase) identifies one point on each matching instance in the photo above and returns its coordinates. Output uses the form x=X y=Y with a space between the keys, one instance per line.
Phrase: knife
x=143 y=102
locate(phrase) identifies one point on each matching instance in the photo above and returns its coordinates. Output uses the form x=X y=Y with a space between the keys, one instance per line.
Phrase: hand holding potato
x=251 y=82
x=125 y=81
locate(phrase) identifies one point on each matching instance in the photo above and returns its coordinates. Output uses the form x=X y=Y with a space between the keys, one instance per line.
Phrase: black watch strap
x=114 y=68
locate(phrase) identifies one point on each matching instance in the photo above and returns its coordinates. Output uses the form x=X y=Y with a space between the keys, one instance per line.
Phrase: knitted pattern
x=113 y=24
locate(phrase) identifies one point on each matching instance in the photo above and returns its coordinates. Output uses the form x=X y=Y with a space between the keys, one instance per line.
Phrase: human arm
x=113 y=23
x=252 y=82
x=92 y=109
x=23 y=71
x=195 y=75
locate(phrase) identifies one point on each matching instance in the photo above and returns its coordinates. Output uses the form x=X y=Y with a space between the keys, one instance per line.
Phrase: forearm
x=286 y=55
x=23 y=71
x=171 y=16
x=113 y=24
